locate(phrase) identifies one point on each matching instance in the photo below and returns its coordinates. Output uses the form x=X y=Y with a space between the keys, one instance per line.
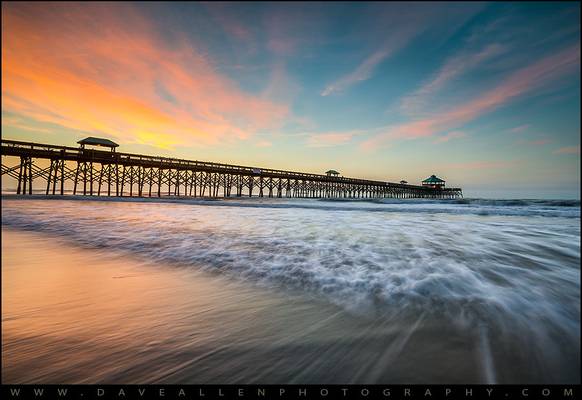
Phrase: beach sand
x=73 y=314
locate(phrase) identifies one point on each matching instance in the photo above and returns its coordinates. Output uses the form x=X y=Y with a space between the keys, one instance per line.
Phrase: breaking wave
x=413 y=257
x=509 y=269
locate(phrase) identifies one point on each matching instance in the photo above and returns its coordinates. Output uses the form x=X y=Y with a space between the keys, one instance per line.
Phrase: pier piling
x=185 y=178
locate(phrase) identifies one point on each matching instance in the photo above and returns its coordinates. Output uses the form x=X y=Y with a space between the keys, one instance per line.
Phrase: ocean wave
x=469 y=201
x=465 y=267
x=481 y=207
x=512 y=279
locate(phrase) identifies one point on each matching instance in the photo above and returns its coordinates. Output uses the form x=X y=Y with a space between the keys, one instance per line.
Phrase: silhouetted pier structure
x=111 y=173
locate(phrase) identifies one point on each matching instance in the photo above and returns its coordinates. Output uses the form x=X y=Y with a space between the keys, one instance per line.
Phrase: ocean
x=290 y=291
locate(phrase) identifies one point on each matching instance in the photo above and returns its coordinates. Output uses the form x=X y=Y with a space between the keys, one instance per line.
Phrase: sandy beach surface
x=73 y=315
x=294 y=292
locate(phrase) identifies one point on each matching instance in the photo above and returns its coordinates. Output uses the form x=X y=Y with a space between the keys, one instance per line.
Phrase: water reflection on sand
x=193 y=293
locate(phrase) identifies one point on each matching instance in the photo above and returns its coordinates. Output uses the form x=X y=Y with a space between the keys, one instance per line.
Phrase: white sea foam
x=506 y=265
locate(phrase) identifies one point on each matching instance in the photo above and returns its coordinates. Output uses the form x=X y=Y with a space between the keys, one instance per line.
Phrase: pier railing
x=121 y=174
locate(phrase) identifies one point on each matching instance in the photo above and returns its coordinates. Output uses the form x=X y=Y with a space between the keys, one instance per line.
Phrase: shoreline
x=40 y=194
x=97 y=293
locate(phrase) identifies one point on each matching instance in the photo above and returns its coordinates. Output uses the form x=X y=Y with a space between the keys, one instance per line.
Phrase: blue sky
x=485 y=95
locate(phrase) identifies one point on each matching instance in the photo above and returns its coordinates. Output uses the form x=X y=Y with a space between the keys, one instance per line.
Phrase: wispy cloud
x=519 y=129
x=280 y=85
x=264 y=143
x=330 y=139
x=538 y=142
x=290 y=29
x=450 y=136
x=568 y=150
x=481 y=165
x=453 y=68
x=364 y=70
x=398 y=25
x=525 y=80
x=123 y=81
x=16 y=122
x=229 y=21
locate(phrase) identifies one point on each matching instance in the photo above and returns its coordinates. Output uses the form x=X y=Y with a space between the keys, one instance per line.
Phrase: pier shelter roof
x=433 y=179
x=332 y=172
x=93 y=141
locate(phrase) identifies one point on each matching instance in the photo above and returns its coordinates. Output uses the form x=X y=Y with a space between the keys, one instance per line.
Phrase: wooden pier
x=107 y=173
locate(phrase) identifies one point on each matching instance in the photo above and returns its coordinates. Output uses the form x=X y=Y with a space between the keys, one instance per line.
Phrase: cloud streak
x=481 y=165
x=400 y=33
x=330 y=139
x=110 y=73
x=538 y=142
x=453 y=68
x=522 y=81
x=394 y=26
x=364 y=70
x=450 y=136
x=519 y=129
x=568 y=150
x=264 y=143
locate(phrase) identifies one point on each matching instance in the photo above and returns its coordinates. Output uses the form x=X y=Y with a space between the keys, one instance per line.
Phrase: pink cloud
x=568 y=150
x=525 y=80
x=453 y=68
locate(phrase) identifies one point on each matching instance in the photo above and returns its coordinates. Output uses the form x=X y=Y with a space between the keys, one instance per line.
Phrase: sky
x=484 y=95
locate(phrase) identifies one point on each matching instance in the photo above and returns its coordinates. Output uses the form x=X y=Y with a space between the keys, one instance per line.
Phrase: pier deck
x=107 y=173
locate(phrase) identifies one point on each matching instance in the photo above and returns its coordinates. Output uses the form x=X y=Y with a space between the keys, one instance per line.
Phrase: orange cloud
x=542 y=72
x=103 y=68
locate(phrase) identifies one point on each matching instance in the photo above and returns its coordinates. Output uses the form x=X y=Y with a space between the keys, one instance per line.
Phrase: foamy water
x=497 y=278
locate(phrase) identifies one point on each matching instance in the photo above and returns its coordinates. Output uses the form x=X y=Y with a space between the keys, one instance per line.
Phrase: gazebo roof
x=433 y=179
x=332 y=171
x=93 y=141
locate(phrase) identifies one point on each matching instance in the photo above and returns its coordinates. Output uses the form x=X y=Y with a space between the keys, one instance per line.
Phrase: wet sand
x=75 y=315
x=72 y=314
